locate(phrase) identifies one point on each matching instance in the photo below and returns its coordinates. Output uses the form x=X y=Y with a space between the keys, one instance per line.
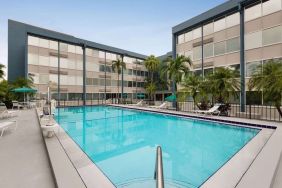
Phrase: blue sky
x=142 y=26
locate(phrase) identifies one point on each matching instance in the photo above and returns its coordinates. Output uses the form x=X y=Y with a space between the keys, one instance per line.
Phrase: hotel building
x=77 y=71
x=241 y=34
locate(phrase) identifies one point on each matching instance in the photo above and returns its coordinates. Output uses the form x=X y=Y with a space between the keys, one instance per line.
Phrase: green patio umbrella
x=140 y=95
x=24 y=90
x=171 y=98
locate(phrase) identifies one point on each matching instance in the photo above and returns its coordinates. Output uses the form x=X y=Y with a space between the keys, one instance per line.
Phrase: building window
x=181 y=39
x=79 y=80
x=44 y=60
x=233 y=20
x=102 y=82
x=67 y=80
x=197 y=33
x=188 y=36
x=253 y=40
x=108 y=69
x=63 y=62
x=108 y=82
x=33 y=41
x=89 y=81
x=71 y=49
x=272 y=35
x=102 y=68
x=198 y=72
x=78 y=50
x=219 y=48
x=64 y=80
x=54 y=62
x=53 y=45
x=197 y=53
x=35 y=77
x=101 y=54
x=208 y=29
x=95 y=81
x=219 y=25
x=63 y=47
x=32 y=59
x=271 y=6
x=71 y=64
x=208 y=71
x=208 y=50
x=79 y=63
x=233 y=45
x=43 y=78
x=189 y=54
x=253 y=12
x=89 y=52
x=252 y=67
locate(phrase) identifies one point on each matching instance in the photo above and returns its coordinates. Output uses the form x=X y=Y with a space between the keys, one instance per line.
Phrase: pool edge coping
x=62 y=179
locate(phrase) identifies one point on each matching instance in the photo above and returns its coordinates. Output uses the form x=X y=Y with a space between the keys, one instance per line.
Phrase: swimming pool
x=122 y=143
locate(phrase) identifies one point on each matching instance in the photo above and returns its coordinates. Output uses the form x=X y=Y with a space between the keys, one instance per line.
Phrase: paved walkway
x=23 y=157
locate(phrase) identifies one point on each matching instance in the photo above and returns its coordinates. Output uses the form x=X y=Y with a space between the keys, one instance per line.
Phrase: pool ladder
x=158 y=176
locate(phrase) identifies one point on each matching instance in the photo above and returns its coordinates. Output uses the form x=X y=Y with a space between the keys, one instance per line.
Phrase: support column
x=59 y=74
x=105 y=74
x=122 y=80
x=173 y=57
x=242 y=59
x=84 y=74
x=202 y=46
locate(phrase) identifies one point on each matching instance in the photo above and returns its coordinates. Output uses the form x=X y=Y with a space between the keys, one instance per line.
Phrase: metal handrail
x=158 y=176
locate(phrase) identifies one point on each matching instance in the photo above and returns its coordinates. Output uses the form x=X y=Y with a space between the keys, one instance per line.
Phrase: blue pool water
x=123 y=142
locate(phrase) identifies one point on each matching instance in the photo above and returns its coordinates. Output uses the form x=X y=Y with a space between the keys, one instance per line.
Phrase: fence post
x=250 y=111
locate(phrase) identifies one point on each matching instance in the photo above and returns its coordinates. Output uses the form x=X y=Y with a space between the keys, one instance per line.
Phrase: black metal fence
x=97 y=101
x=258 y=112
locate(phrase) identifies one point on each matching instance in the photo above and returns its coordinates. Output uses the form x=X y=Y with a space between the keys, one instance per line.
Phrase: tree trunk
x=279 y=110
x=118 y=89
x=173 y=92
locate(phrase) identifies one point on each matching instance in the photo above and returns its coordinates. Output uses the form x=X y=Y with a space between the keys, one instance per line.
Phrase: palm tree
x=191 y=86
x=23 y=82
x=2 y=73
x=117 y=66
x=151 y=89
x=176 y=69
x=152 y=64
x=196 y=87
x=268 y=79
x=223 y=83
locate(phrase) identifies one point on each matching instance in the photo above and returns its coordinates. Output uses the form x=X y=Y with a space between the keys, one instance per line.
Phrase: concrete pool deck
x=25 y=163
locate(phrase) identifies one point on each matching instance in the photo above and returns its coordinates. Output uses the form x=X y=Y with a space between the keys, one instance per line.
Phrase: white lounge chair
x=162 y=106
x=7 y=124
x=5 y=113
x=140 y=103
x=17 y=105
x=211 y=111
